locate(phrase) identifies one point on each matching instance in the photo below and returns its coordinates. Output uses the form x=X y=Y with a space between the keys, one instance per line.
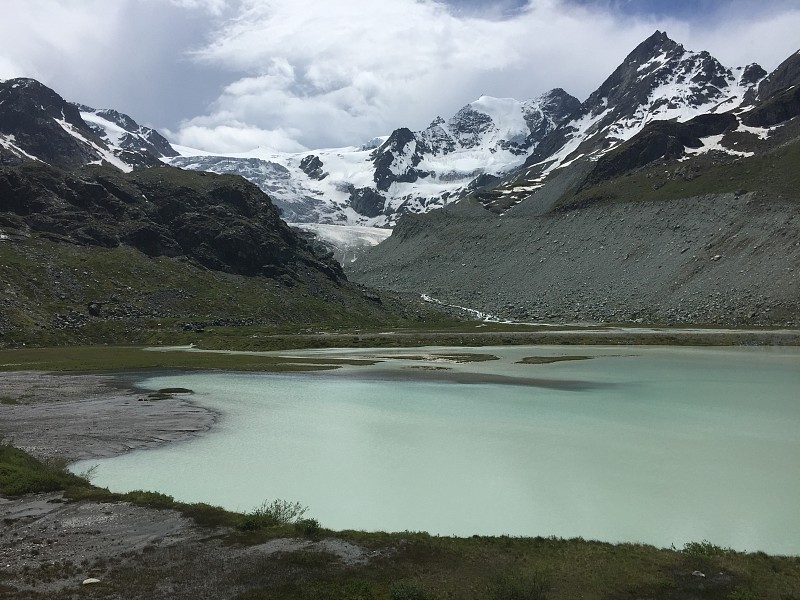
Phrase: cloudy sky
x=231 y=75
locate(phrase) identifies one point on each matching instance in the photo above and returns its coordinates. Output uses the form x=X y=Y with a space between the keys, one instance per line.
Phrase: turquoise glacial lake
x=631 y=444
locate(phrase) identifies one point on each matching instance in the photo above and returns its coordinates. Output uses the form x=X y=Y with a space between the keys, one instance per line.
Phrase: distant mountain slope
x=96 y=255
x=408 y=172
x=100 y=241
x=683 y=243
x=692 y=220
x=38 y=124
x=659 y=81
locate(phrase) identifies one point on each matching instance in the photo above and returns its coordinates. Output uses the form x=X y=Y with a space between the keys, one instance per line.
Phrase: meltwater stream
x=653 y=445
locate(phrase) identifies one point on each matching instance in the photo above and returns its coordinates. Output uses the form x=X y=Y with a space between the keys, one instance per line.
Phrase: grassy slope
x=47 y=287
x=774 y=175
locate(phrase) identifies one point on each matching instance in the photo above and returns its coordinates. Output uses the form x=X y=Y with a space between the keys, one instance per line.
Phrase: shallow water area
x=650 y=444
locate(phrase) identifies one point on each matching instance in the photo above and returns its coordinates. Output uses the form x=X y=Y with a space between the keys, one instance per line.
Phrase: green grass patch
x=21 y=473
x=161 y=300
x=115 y=358
x=776 y=173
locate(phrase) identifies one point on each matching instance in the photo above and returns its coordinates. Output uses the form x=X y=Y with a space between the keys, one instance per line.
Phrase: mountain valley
x=669 y=196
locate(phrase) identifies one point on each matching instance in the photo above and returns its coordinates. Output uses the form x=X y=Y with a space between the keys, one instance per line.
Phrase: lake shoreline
x=70 y=417
x=49 y=546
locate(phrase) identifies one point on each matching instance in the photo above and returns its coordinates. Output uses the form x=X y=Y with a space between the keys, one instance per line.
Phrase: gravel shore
x=49 y=547
x=76 y=417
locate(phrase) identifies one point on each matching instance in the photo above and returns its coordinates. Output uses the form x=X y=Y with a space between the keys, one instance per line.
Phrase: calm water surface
x=658 y=445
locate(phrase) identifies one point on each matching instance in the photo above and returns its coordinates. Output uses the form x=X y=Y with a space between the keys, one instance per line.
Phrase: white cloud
x=43 y=37
x=237 y=135
x=215 y=7
x=767 y=39
x=10 y=69
x=338 y=72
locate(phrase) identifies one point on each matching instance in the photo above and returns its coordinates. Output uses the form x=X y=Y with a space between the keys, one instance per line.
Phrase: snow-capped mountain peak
x=38 y=124
x=658 y=81
x=124 y=134
x=408 y=171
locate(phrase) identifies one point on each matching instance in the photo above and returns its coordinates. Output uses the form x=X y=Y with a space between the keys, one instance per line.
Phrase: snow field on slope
x=113 y=131
x=9 y=142
x=506 y=114
x=105 y=154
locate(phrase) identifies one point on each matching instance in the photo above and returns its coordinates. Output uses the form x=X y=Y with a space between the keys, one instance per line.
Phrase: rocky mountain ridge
x=692 y=220
x=407 y=172
x=499 y=150
x=37 y=124
x=659 y=81
x=100 y=241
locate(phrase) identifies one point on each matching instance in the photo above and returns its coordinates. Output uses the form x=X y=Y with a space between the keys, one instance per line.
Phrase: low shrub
x=519 y=586
x=207 y=515
x=309 y=527
x=704 y=548
x=151 y=499
x=408 y=590
x=272 y=514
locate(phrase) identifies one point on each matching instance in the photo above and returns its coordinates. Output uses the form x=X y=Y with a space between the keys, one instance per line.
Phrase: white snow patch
x=761 y=132
x=714 y=142
x=659 y=60
x=506 y=114
x=106 y=154
x=9 y=143
x=113 y=131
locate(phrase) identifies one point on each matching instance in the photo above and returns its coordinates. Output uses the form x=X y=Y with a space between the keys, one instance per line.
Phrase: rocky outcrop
x=778 y=96
x=311 y=165
x=396 y=160
x=367 y=201
x=35 y=121
x=222 y=222
x=786 y=75
x=659 y=140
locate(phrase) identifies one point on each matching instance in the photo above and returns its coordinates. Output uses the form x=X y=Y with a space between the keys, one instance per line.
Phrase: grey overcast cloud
x=231 y=75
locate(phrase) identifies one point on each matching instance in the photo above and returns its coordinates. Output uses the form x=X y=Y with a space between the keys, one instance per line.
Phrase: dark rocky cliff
x=221 y=221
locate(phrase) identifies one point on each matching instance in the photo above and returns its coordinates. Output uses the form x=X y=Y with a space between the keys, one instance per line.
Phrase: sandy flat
x=84 y=416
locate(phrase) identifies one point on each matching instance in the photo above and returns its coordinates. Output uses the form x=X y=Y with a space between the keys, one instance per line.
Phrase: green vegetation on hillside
x=56 y=294
x=774 y=175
